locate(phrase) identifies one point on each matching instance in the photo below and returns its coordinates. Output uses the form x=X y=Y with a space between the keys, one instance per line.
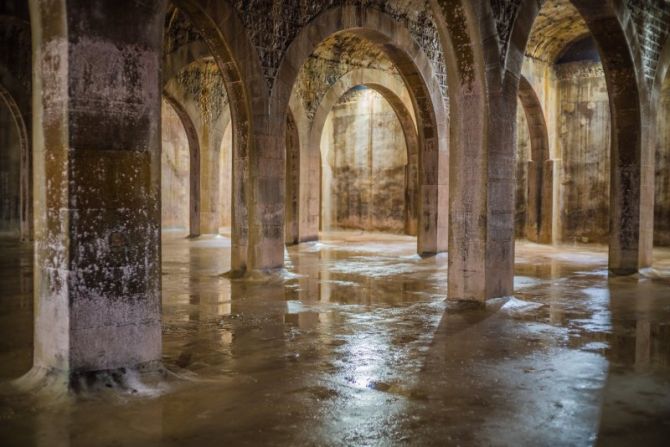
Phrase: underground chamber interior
x=264 y=252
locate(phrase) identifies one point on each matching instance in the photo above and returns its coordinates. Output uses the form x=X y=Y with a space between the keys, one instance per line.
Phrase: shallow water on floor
x=354 y=344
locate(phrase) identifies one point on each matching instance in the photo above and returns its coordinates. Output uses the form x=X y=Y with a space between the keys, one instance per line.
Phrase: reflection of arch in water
x=395 y=93
x=25 y=177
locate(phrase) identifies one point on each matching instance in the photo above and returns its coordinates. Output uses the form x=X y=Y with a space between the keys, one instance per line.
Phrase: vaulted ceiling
x=557 y=25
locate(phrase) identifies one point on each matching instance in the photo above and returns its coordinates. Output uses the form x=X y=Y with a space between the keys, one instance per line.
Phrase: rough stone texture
x=504 y=12
x=273 y=24
x=335 y=57
x=652 y=23
x=179 y=31
x=367 y=161
x=97 y=184
x=557 y=25
x=585 y=141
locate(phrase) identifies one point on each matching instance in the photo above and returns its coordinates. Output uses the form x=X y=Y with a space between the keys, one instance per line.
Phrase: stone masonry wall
x=662 y=195
x=367 y=155
x=584 y=138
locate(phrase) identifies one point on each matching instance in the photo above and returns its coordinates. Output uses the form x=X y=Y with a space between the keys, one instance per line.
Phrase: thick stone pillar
x=481 y=158
x=501 y=141
x=97 y=105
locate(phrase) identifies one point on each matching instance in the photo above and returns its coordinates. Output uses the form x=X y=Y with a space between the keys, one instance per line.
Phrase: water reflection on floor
x=354 y=344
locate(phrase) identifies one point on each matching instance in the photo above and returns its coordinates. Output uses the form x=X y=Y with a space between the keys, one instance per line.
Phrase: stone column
x=501 y=141
x=97 y=105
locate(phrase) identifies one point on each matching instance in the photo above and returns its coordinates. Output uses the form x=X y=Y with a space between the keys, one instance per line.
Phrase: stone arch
x=194 y=164
x=631 y=179
x=540 y=168
x=417 y=72
x=253 y=242
x=25 y=165
x=393 y=91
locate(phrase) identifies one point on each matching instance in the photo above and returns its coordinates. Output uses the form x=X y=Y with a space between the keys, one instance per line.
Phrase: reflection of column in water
x=52 y=428
x=556 y=311
x=555 y=269
x=26 y=278
x=306 y=265
x=324 y=276
x=252 y=304
x=642 y=345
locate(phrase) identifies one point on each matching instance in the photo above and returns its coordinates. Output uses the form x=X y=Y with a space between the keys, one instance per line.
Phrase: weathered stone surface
x=367 y=159
x=662 y=177
x=584 y=136
x=273 y=24
x=97 y=185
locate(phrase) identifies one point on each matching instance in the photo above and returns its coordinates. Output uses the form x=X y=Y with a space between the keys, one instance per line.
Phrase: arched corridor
x=276 y=222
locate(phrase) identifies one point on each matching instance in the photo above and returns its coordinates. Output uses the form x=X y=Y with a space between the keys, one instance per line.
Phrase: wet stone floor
x=354 y=344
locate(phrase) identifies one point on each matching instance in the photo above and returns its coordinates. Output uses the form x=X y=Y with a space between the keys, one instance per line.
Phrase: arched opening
x=662 y=194
x=662 y=164
x=564 y=141
x=364 y=165
x=15 y=222
x=327 y=51
x=535 y=191
x=13 y=148
x=175 y=174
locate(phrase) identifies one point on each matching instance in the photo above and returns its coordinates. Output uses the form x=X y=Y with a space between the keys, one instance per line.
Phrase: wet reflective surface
x=354 y=344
